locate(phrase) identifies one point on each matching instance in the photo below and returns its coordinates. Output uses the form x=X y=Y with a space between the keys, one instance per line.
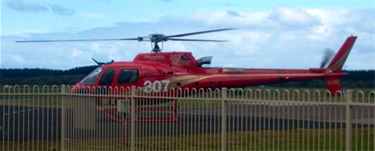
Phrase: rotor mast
x=156 y=48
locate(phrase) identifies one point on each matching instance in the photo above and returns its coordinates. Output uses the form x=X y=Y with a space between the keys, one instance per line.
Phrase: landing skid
x=116 y=116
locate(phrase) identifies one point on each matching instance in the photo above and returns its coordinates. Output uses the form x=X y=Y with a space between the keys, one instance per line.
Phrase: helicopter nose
x=80 y=88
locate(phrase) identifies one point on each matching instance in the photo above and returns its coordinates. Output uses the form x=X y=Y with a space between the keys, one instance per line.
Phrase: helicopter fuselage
x=160 y=72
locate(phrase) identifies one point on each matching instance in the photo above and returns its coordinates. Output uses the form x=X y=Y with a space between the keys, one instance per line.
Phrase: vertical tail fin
x=333 y=84
x=339 y=59
x=335 y=66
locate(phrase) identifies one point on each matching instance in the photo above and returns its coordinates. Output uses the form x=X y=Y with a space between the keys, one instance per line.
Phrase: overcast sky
x=270 y=34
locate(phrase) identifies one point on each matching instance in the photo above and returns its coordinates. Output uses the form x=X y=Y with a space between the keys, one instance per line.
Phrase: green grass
x=298 y=139
x=31 y=89
x=50 y=102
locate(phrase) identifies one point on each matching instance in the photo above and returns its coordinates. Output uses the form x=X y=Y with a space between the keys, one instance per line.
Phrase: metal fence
x=128 y=118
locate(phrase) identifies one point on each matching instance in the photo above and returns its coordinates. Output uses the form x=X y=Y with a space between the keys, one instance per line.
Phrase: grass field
x=363 y=139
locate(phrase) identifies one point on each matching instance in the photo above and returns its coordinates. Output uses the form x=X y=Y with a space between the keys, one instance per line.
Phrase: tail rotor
x=328 y=55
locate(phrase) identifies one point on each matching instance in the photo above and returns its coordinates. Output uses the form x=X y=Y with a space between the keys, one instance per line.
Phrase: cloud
x=18 y=59
x=279 y=38
x=292 y=17
x=233 y=13
x=90 y=15
x=76 y=53
x=278 y=17
x=62 y=10
x=20 y=5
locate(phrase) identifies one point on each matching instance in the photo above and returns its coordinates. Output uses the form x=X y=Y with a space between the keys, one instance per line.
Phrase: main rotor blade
x=200 y=32
x=202 y=40
x=76 y=40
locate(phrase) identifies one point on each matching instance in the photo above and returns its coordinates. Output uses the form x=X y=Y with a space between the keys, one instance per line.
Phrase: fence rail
x=129 y=118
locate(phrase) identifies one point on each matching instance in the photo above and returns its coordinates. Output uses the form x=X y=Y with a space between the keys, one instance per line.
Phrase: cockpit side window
x=107 y=77
x=127 y=76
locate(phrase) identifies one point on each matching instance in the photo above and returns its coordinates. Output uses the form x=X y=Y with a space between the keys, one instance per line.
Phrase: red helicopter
x=161 y=71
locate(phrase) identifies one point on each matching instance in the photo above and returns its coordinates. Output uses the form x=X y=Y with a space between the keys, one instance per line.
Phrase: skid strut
x=115 y=116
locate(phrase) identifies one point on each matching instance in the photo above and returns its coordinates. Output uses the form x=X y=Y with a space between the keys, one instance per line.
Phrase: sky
x=269 y=34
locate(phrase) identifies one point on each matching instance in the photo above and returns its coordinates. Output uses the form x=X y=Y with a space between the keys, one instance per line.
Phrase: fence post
x=223 y=120
x=132 y=124
x=63 y=118
x=348 y=120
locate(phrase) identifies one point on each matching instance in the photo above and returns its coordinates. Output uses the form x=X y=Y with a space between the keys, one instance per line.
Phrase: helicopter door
x=105 y=81
x=107 y=77
x=104 y=85
x=128 y=77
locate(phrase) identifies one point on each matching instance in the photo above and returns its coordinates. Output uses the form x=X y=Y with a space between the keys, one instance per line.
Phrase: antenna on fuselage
x=101 y=63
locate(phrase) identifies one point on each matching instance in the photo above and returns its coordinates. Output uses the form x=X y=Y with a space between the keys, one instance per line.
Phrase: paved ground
x=36 y=123
x=25 y=123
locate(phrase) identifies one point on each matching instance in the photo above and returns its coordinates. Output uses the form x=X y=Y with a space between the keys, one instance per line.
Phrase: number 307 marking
x=156 y=86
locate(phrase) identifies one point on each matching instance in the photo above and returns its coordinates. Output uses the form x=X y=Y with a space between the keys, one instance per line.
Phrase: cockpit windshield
x=91 y=78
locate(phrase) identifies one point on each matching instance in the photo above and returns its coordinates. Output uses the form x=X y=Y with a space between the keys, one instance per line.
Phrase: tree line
x=355 y=79
x=39 y=76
